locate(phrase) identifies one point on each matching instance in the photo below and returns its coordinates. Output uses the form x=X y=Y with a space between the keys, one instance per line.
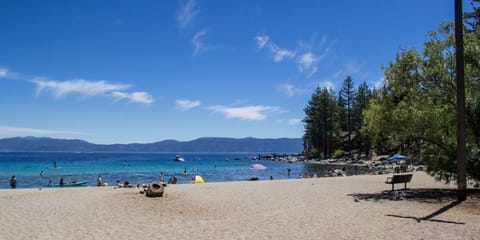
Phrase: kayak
x=72 y=184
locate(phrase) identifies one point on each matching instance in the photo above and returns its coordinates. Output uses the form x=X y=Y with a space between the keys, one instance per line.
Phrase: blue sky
x=144 y=71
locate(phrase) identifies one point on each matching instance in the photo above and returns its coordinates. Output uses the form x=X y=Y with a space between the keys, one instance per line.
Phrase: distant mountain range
x=210 y=144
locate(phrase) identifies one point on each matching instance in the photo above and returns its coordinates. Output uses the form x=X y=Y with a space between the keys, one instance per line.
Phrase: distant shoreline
x=204 y=145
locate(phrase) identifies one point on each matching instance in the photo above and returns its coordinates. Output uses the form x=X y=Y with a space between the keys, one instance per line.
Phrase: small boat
x=72 y=184
x=179 y=158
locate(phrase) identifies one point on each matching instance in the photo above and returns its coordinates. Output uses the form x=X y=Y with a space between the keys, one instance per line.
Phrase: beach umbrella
x=199 y=179
x=397 y=157
x=257 y=167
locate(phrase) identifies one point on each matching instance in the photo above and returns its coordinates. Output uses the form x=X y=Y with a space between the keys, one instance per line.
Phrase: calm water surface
x=139 y=167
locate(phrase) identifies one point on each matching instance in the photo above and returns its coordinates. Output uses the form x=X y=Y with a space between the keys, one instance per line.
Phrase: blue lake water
x=139 y=167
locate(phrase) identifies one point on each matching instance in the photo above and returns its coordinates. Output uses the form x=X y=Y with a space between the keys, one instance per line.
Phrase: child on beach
x=161 y=177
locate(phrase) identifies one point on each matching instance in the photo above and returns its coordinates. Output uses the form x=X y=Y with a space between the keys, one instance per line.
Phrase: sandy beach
x=321 y=208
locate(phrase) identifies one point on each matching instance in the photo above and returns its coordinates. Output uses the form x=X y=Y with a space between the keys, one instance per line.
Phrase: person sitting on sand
x=118 y=184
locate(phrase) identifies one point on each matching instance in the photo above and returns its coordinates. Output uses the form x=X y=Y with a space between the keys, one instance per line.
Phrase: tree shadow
x=425 y=195
x=428 y=195
x=432 y=215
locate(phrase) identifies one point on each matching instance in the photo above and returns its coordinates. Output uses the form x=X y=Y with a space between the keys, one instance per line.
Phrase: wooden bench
x=399 y=178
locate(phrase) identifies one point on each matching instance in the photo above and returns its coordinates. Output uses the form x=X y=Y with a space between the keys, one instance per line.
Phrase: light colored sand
x=285 y=209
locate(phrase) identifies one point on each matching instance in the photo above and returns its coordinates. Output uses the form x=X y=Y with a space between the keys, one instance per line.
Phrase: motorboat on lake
x=179 y=158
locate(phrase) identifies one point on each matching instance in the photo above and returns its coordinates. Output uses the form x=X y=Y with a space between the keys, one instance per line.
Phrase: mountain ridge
x=204 y=144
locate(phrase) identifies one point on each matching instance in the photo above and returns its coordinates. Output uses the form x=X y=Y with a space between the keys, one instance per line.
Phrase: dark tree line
x=333 y=121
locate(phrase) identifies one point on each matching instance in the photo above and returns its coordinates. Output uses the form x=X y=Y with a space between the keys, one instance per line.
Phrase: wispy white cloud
x=307 y=62
x=3 y=72
x=290 y=90
x=185 y=104
x=261 y=40
x=187 y=12
x=86 y=88
x=279 y=54
x=294 y=121
x=254 y=113
x=199 y=45
x=307 y=56
x=134 y=97
x=79 y=86
x=338 y=74
x=20 y=131
x=290 y=121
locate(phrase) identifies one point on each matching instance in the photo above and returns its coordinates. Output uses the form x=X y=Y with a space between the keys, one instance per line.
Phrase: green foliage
x=338 y=154
x=415 y=112
x=315 y=153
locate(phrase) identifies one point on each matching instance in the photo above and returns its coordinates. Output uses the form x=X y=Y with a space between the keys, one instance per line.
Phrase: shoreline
x=342 y=208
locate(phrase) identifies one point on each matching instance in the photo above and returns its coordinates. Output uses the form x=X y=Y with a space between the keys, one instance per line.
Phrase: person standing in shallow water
x=99 y=180
x=13 y=182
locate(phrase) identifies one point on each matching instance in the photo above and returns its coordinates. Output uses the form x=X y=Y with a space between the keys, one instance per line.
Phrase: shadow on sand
x=425 y=195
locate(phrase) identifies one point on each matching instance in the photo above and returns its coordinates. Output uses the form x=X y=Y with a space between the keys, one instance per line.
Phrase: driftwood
x=155 y=189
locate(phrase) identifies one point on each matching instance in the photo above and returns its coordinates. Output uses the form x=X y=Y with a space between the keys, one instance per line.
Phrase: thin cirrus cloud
x=261 y=40
x=21 y=131
x=185 y=104
x=83 y=87
x=294 y=121
x=306 y=60
x=278 y=53
x=198 y=43
x=3 y=72
x=252 y=113
x=186 y=13
x=134 y=97
x=86 y=88
x=290 y=90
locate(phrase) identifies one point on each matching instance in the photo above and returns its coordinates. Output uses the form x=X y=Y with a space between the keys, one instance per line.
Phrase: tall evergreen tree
x=319 y=122
x=347 y=94
x=360 y=103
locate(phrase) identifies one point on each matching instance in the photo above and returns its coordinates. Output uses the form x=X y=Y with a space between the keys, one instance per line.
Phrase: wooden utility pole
x=460 y=78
